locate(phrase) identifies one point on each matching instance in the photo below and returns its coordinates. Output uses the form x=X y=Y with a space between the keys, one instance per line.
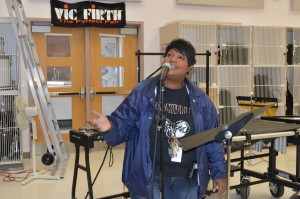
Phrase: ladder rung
x=35 y=85
x=25 y=23
x=44 y=83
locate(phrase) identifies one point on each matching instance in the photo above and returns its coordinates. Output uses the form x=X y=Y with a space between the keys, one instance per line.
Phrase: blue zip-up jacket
x=131 y=123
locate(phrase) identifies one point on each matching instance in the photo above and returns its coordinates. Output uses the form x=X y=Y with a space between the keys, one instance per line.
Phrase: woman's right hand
x=101 y=124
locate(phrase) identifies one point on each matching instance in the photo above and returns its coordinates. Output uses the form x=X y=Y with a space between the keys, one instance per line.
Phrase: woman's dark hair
x=184 y=47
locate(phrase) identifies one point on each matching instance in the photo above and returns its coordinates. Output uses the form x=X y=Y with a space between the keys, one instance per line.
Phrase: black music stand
x=219 y=134
x=253 y=102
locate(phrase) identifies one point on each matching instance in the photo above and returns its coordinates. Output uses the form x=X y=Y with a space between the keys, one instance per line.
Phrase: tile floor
x=109 y=180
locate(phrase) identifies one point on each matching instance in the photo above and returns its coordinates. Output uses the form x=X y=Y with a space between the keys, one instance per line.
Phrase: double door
x=86 y=69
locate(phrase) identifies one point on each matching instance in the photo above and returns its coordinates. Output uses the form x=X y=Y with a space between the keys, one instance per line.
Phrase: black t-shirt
x=179 y=123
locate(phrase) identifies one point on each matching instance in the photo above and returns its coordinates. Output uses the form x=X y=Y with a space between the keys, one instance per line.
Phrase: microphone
x=165 y=69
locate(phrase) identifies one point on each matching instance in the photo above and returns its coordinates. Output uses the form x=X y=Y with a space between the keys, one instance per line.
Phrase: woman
x=187 y=110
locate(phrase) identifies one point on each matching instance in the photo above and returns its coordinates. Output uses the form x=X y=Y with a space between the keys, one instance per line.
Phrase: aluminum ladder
x=38 y=85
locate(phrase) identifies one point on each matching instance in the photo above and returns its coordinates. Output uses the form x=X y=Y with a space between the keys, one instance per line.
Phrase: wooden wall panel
x=295 y=5
x=229 y=3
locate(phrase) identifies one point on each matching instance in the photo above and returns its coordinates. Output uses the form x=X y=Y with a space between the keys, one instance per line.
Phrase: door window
x=58 y=45
x=112 y=45
x=59 y=77
x=112 y=76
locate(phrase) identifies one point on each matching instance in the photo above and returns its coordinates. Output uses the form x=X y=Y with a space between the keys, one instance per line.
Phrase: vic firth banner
x=88 y=14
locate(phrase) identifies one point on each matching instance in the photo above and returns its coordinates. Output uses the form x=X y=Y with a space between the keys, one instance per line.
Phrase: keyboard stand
x=86 y=139
x=85 y=168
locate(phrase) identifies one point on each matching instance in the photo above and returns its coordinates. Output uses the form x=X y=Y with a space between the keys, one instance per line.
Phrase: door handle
x=92 y=93
x=81 y=93
x=113 y=92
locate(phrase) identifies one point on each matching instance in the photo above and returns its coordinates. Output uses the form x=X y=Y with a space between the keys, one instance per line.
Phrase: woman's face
x=179 y=64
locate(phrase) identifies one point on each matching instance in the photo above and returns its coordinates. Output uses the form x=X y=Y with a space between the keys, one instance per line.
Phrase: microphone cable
x=187 y=192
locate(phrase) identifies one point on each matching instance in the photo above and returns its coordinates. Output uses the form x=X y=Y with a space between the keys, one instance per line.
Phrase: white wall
x=155 y=13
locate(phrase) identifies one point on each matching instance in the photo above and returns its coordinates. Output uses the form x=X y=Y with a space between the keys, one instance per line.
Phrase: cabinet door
x=269 y=60
x=204 y=38
x=293 y=71
x=234 y=69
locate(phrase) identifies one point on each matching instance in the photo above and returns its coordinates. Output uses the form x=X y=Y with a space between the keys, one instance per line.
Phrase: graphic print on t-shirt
x=176 y=130
x=179 y=127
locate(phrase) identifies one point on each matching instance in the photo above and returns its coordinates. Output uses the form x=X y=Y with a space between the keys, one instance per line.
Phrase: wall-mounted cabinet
x=245 y=61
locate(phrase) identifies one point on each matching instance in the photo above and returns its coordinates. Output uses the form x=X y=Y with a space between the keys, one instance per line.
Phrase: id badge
x=178 y=156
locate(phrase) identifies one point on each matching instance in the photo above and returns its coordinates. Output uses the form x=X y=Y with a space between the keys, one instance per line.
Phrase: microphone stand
x=161 y=123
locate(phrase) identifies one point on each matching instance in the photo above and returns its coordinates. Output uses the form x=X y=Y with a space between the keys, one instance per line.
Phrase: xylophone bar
x=263 y=136
x=280 y=144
